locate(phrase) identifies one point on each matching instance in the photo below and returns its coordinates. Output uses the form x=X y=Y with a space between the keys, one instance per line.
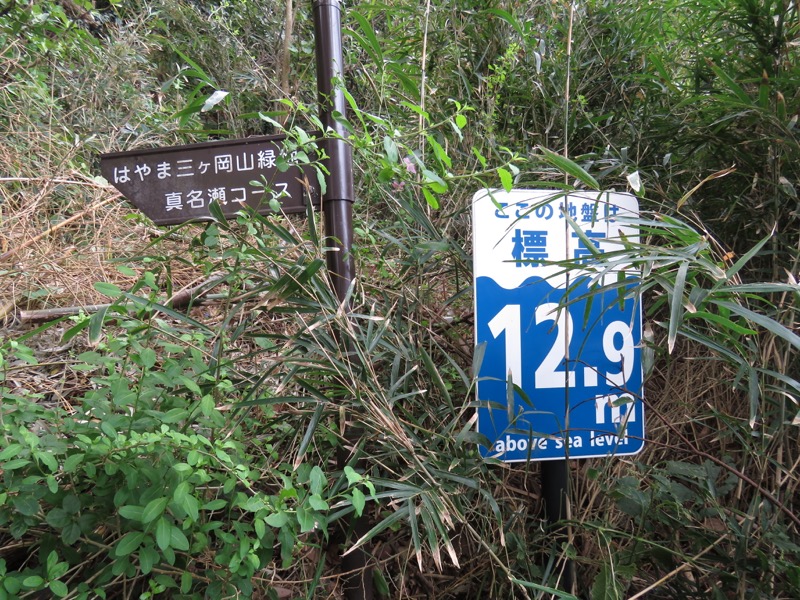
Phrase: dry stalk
x=13 y=251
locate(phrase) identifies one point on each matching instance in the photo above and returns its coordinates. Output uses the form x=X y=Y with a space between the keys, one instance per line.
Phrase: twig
x=742 y=476
x=50 y=314
x=677 y=570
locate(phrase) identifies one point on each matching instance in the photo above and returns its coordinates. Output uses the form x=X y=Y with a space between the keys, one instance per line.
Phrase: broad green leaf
x=747 y=256
x=432 y=201
x=722 y=321
x=317 y=503
x=177 y=539
x=108 y=289
x=278 y=519
x=59 y=588
x=131 y=512
x=186 y=582
x=58 y=518
x=437 y=183
x=26 y=505
x=359 y=501
x=352 y=475
x=317 y=480
x=507 y=17
x=148 y=357
x=11 y=450
x=163 y=529
x=33 y=581
x=96 y=322
x=391 y=149
x=154 y=509
x=506 y=179
x=148 y=557
x=129 y=543
x=312 y=426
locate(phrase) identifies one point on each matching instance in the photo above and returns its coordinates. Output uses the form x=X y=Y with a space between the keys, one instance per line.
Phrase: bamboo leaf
x=676 y=303
x=771 y=325
x=745 y=258
x=711 y=177
x=312 y=426
x=565 y=165
x=507 y=17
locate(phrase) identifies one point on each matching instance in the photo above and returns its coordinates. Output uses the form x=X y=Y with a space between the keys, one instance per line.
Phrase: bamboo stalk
x=50 y=314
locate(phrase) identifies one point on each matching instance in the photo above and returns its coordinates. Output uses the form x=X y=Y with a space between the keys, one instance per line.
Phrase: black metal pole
x=555 y=483
x=337 y=207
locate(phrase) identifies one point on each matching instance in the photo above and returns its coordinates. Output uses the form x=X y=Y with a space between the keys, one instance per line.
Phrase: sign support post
x=337 y=208
x=555 y=490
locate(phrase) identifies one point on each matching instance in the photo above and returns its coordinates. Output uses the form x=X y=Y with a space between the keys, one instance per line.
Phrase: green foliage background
x=196 y=453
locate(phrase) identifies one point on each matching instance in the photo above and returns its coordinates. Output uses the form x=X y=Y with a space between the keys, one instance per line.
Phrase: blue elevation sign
x=560 y=374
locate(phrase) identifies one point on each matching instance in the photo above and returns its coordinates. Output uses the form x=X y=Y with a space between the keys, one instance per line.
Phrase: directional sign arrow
x=178 y=183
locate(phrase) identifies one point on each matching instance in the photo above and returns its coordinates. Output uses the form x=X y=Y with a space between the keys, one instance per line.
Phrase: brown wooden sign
x=177 y=184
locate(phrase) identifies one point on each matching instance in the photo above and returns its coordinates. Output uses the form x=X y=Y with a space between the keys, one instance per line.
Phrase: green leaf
x=390 y=147
x=676 y=304
x=432 y=201
x=72 y=462
x=148 y=557
x=129 y=543
x=131 y=512
x=317 y=480
x=186 y=582
x=108 y=289
x=359 y=501
x=437 y=183
x=734 y=87
x=767 y=323
x=96 y=322
x=506 y=179
x=70 y=533
x=148 y=358
x=163 y=529
x=59 y=588
x=306 y=518
x=317 y=503
x=461 y=121
x=11 y=450
x=58 y=518
x=352 y=475
x=27 y=505
x=312 y=426
x=32 y=582
x=507 y=17
x=177 y=539
x=278 y=519
x=369 y=41
x=565 y=165
x=543 y=588
x=605 y=586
